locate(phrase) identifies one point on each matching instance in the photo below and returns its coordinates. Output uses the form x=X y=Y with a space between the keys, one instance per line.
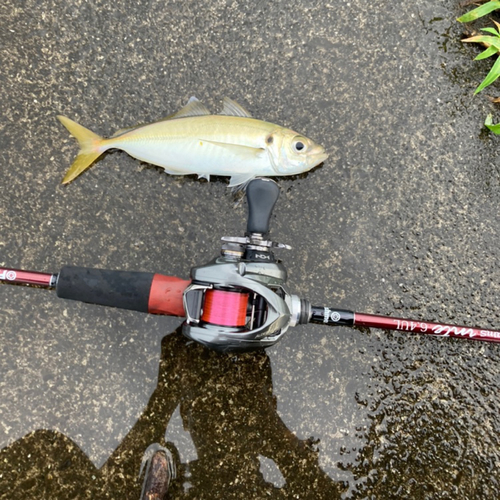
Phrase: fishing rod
x=237 y=302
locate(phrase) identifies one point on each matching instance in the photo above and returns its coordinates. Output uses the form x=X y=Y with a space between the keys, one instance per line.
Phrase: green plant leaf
x=490 y=77
x=493 y=31
x=480 y=11
x=487 y=40
x=489 y=123
x=490 y=51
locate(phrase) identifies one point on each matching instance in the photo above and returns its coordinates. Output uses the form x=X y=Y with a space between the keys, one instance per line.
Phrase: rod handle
x=137 y=291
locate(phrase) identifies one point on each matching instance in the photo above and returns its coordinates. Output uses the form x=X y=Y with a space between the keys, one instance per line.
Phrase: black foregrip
x=262 y=195
x=123 y=289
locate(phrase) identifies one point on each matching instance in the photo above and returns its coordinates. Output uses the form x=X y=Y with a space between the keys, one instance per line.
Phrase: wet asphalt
x=402 y=219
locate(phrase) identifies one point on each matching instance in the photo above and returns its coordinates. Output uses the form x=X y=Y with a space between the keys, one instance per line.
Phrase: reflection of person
x=227 y=405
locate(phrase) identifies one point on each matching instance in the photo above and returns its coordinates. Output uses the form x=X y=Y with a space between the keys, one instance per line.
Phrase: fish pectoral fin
x=240 y=179
x=232 y=108
x=241 y=152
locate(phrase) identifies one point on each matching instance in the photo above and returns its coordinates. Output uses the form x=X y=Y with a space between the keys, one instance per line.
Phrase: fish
x=194 y=141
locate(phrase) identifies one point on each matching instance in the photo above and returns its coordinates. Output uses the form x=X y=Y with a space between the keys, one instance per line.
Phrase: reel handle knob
x=262 y=195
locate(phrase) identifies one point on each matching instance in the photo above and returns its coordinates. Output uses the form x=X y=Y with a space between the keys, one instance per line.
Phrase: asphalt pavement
x=401 y=220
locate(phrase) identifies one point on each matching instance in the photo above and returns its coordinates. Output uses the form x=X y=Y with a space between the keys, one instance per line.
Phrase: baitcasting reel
x=239 y=301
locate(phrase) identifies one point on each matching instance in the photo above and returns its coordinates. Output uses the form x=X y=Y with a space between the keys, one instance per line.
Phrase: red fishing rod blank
x=20 y=277
x=342 y=317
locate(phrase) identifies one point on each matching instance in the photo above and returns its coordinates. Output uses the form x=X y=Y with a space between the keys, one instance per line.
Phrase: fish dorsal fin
x=125 y=130
x=192 y=108
x=232 y=108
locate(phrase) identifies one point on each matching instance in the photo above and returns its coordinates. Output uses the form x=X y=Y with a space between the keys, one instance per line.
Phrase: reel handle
x=262 y=195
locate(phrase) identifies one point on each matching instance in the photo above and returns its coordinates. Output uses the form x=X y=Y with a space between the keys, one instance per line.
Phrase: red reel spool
x=225 y=308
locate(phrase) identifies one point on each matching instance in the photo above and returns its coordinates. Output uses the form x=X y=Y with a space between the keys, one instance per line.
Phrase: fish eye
x=299 y=146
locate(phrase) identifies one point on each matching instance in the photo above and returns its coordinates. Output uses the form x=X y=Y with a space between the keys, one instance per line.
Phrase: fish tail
x=91 y=148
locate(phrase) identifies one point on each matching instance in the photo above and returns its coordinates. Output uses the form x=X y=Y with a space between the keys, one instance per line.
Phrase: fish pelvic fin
x=91 y=147
x=239 y=181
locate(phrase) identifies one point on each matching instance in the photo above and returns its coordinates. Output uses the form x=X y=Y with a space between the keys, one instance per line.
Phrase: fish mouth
x=319 y=156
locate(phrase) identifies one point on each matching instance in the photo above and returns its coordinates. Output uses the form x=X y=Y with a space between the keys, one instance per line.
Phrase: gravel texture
x=402 y=219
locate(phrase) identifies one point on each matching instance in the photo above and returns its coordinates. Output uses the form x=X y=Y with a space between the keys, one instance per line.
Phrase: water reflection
x=238 y=446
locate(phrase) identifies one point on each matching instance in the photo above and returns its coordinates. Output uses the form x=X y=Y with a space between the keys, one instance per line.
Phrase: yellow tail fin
x=90 y=148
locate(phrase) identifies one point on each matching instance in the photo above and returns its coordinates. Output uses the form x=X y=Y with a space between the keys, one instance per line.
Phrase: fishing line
x=225 y=308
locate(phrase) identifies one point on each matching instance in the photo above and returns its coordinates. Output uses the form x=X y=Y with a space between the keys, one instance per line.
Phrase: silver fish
x=193 y=141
